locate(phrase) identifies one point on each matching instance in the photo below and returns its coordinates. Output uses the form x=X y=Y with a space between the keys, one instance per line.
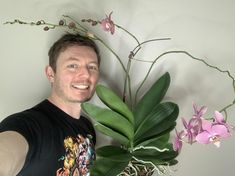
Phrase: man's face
x=77 y=73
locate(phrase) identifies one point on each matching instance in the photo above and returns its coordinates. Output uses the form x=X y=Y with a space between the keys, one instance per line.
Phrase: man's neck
x=72 y=109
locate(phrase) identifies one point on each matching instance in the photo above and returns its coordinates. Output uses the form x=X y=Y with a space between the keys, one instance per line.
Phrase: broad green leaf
x=107 y=167
x=157 y=162
x=154 y=155
x=163 y=114
x=163 y=128
x=151 y=98
x=114 y=102
x=166 y=156
x=158 y=141
x=110 y=119
x=115 y=153
x=111 y=133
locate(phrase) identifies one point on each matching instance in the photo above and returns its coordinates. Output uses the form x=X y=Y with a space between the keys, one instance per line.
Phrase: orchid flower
x=219 y=119
x=177 y=144
x=188 y=131
x=107 y=24
x=212 y=133
x=192 y=128
x=199 y=112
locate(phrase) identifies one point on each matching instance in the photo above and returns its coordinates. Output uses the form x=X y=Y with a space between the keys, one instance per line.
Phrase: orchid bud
x=38 y=23
x=46 y=28
x=61 y=22
x=72 y=25
x=94 y=23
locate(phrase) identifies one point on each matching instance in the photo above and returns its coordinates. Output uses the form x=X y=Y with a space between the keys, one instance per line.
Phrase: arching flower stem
x=194 y=58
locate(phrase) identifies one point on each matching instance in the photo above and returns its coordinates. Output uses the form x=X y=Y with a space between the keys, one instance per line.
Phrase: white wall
x=205 y=28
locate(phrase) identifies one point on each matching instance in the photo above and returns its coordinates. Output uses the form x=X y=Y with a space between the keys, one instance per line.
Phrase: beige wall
x=205 y=28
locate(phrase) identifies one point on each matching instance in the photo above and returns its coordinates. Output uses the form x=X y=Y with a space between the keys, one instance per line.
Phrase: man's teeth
x=81 y=86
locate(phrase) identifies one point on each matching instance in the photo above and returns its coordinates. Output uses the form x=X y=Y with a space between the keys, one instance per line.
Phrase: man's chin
x=81 y=100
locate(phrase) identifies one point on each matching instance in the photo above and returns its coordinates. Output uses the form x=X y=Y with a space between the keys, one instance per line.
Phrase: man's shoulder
x=25 y=115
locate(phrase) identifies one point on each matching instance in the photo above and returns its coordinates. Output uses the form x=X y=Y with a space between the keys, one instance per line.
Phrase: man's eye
x=72 y=66
x=93 y=67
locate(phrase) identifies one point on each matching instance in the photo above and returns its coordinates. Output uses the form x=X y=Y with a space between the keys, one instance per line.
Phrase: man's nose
x=84 y=71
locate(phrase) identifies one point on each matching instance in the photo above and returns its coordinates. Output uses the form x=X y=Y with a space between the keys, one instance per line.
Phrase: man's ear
x=49 y=73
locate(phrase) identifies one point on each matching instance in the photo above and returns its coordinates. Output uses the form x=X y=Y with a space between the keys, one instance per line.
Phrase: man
x=52 y=138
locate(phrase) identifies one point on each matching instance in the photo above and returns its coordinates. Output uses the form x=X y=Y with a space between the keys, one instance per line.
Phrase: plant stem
x=132 y=54
x=133 y=36
x=147 y=41
x=127 y=81
x=194 y=58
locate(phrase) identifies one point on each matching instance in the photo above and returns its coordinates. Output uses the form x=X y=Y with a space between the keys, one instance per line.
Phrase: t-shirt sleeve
x=21 y=123
x=25 y=124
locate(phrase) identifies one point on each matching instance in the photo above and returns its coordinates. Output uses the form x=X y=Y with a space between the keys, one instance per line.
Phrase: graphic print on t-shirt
x=79 y=155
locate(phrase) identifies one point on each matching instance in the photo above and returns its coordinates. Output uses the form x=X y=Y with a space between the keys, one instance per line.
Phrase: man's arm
x=13 y=151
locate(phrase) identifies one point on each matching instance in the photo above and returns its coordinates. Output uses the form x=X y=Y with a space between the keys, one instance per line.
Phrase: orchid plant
x=141 y=125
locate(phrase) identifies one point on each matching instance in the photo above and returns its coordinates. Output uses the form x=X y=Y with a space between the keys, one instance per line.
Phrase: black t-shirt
x=58 y=144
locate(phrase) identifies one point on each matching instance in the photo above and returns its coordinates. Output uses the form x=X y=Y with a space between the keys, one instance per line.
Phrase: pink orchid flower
x=219 y=119
x=188 y=131
x=192 y=128
x=212 y=133
x=199 y=112
x=107 y=24
x=177 y=144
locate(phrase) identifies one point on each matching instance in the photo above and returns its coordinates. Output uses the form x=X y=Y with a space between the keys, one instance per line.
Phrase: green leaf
x=115 y=135
x=107 y=167
x=162 y=115
x=166 y=156
x=114 y=102
x=157 y=161
x=157 y=157
x=110 y=118
x=158 y=141
x=162 y=129
x=153 y=96
x=114 y=153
